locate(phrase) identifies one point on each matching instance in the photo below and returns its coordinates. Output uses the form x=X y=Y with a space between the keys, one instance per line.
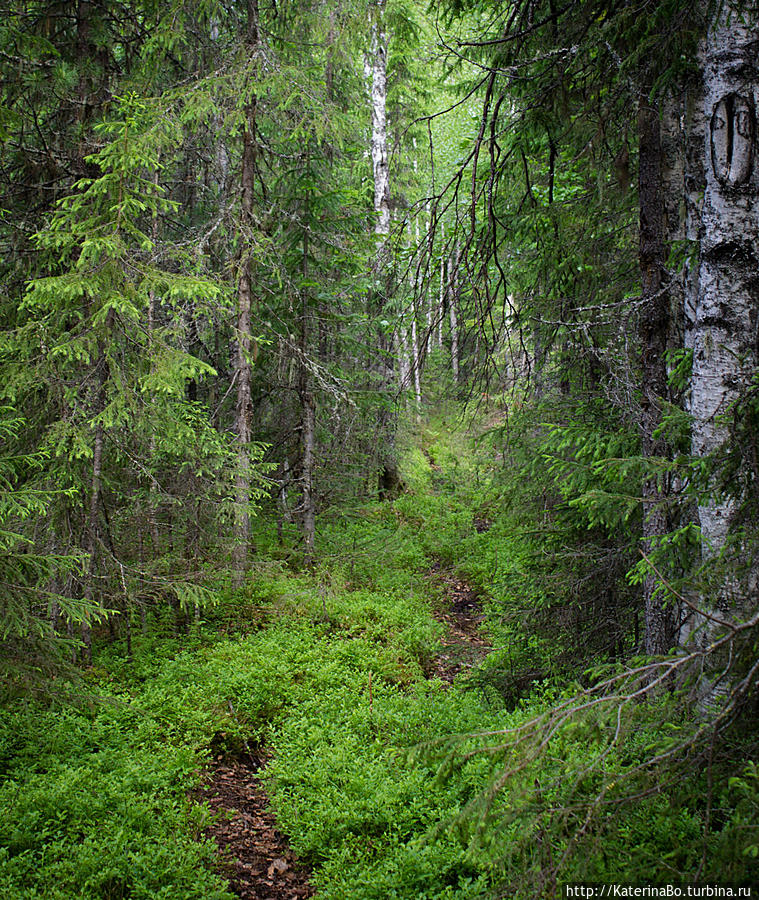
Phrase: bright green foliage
x=378 y=775
x=126 y=231
x=31 y=601
x=110 y=327
x=96 y=806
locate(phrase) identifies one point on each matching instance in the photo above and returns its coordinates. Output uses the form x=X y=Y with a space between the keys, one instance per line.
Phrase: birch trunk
x=380 y=165
x=427 y=335
x=416 y=363
x=453 y=314
x=441 y=294
x=404 y=359
x=727 y=305
x=389 y=478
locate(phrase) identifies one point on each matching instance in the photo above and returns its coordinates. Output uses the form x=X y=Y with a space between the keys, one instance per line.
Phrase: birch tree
x=380 y=163
x=727 y=306
x=389 y=479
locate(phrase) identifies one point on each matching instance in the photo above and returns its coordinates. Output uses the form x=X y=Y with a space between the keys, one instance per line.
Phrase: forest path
x=256 y=858
x=460 y=610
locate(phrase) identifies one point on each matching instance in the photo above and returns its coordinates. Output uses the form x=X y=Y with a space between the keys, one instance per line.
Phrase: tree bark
x=308 y=513
x=243 y=369
x=438 y=319
x=416 y=363
x=308 y=419
x=153 y=498
x=727 y=304
x=404 y=359
x=389 y=478
x=453 y=303
x=92 y=534
x=380 y=165
x=654 y=328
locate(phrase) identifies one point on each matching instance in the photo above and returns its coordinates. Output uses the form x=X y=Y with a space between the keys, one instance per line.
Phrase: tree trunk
x=308 y=513
x=243 y=374
x=654 y=322
x=389 y=477
x=380 y=166
x=92 y=534
x=416 y=363
x=404 y=359
x=244 y=334
x=453 y=302
x=438 y=319
x=153 y=499
x=308 y=419
x=727 y=307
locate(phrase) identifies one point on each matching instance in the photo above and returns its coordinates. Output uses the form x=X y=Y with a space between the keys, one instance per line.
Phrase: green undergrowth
x=388 y=782
x=96 y=797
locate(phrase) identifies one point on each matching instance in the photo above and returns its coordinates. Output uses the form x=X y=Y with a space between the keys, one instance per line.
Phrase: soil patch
x=257 y=859
x=463 y=645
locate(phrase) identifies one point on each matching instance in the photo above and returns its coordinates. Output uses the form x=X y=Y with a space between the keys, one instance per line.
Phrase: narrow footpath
x=460 y=610
x=256 y=857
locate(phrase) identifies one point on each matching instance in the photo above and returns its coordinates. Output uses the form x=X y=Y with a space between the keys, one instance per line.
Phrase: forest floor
x=256 y=857
x=460 y=611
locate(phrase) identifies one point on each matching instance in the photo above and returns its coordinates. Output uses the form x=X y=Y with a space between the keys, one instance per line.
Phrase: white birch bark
x=380 y=164
x=452 y=310
x=438 y=318
x=727 y=304
x=402 y=353
x=389 y=478
x=426 y=336
x=415 y=357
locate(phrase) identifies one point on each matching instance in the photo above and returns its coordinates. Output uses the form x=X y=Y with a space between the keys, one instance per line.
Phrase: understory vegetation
x=390 y=783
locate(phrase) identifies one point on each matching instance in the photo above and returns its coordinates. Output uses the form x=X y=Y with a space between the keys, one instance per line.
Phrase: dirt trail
x=257 y=859
x=460 y=611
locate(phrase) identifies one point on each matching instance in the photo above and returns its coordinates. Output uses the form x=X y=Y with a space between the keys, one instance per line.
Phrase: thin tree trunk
x=92 y=535
x=93 y=541
x=380 y=166
x=404 y=360
x=415 y=284
x=153 y=498
x=389 y=477
x=452 y=310
x=654 y=326
x=415 y=362
x=438 y=319
x=308 y=420
x=243 y=368
x=308 y=442
x=282 y=507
